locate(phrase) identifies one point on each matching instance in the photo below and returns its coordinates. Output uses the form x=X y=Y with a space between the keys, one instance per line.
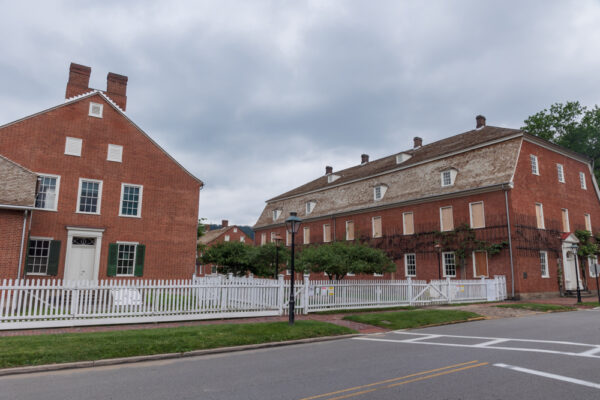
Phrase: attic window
x=276 y=214
x=400 y=158
x=73 y=146
x=332 y=178
x=95 y=110
x=379 y=192
x=310 y=206
x=115 y=153
x=448 y=177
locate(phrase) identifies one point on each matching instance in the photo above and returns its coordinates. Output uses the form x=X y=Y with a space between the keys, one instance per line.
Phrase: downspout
x=22 y=244
x=512 y=267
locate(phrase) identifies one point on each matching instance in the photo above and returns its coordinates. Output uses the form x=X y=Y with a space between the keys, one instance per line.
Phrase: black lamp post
x=292 y=224
x=277 y=240
x=438 y=249
x=574 y=251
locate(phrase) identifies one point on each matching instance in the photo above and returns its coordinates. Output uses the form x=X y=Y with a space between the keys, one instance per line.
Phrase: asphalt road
x=545 y=356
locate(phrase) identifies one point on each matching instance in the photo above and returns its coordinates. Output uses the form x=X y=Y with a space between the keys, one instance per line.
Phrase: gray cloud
x=257 y=97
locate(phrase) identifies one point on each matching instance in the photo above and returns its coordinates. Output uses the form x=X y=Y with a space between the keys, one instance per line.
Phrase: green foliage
x=462 y=240
x=412 y=319
x=230 y=257
x=263 y=259
x=337 y=259
x=201 y=228
x=585 y=248
x=537 y=307
x=570 y=125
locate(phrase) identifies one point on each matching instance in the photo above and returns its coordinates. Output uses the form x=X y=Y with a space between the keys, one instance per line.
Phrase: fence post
x=306 y=292
x=448 y=290
x=485 y=288
x=410 y=295
x=230 y=276
x=74 y=299
x=280 y=293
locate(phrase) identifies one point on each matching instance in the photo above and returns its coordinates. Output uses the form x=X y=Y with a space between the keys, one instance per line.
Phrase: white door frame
x=88 y=233
x=566 y=248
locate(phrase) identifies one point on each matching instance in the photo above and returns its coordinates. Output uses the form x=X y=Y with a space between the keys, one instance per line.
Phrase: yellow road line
x=387 y=381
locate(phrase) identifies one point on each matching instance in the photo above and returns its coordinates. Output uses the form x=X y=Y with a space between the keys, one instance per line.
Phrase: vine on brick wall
x=463 y=239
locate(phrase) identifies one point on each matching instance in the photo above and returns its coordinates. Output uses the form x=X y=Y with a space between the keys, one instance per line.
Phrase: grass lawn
x=591 y=303
x=364 y=310
x=537 y=307
x=412 y=319
x=60 y=348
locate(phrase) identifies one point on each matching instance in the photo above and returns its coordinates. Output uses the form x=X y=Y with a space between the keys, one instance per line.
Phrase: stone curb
x=167 y=356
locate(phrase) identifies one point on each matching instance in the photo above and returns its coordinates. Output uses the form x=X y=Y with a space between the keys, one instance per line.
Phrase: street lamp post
x=574 y=251
x=292 y=224
x=438 y=249
x=277 y=240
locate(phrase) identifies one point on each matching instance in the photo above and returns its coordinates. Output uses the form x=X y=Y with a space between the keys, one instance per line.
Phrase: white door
x=81 y=259
x=569 y=268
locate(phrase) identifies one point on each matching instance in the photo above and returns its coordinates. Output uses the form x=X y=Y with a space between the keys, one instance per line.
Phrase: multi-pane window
x=410 y=263
x=310 y=206
x=349 y=230
x=449 y=264
x=37 y=256
x=588 y=222
x=477 y=215
x=376 y=223
x=593 y=267
x=446 y=178
x=47 y=194
x=408 y=223
x=539 y=215
x=126 y=259
x=565 y=220
x=534 y=165
x=561 y=173
x=544 y=264
x=379 y=192
x=276 y=214
x=582 y=180
x=131 y=200
x=446 y=219
x=90 y=193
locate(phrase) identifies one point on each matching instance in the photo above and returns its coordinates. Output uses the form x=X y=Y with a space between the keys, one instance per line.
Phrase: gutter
x=13 y=207
x=512 y=267
x=22 y=244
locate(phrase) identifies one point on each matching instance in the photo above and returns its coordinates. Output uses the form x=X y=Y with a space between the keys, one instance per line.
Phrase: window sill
x=46 y=209
x=36 y=274
x=124 y=276
x=86 y=213
x=130 y=216
x=545 y=277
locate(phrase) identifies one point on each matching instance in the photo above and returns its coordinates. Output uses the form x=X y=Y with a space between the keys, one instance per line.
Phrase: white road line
x=498 y=338
x=420 y=338
x=592 y=351
x=490 y=342
x=474 y=346
x=549 y=375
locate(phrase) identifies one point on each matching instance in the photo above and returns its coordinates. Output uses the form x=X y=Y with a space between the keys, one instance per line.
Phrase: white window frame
x=444 y=274
x=376 y=274
x=310 y=206
x=40 y=238
x=545 y=271
x=91 y=114
x=379 y=189
x=443 y=178
x=73 y=140
x=276 y=214
x=414 y=255
x=588 y=222
x=541 y=215
x=560 y=172
x=354 y=231
x=566 y=212
x=115 y=147
x=325 y=226
x=98 y=207
x=475 y=264
x=305 y=237
x=242 y=239
x=135 y=244
x=442 y=219
x=373 y=227
x=535 y=167
x=591 y=270
x=226 y=238
x=139 y=214
x=235 y=229
x=582 y=181
x=471 y=213
x=57 y=177
x=263 y=238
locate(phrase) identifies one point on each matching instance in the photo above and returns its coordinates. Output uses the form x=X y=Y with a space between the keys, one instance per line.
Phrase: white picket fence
x=54 y=303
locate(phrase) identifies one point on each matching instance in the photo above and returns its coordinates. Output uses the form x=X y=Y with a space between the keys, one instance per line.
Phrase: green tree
x=570 y=125
x=263 y=259
x=230 y=257
x=337 y=259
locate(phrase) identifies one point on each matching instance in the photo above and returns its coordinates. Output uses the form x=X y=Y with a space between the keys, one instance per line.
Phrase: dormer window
x=95 y=110
x=310 y=206
x=400 y=158
x=276 y=214
x=332 y=178
x=448 y=177
x=379 y=192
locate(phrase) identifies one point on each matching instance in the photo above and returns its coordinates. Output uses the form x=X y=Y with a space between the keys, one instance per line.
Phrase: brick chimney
x=480 y=121
x=116 y=89
x=418 y=142
x=328 y=170
x=364 y=158
x=224 y=223
x=79 y=80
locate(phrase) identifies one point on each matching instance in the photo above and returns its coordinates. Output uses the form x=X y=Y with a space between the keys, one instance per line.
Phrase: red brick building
x=226 y=233
x=110 y=201
x=490 y=201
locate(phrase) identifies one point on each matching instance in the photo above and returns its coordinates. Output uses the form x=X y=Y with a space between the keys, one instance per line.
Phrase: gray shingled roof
x=17 y=185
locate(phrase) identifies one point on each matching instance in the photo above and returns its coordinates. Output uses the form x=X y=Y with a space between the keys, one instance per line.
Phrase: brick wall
x=11 y=228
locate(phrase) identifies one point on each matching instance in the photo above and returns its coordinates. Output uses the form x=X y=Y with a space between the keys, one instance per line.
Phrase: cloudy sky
x=257 y=97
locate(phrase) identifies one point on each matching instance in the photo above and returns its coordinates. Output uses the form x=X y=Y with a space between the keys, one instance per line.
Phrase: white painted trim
x=566 y=212
x=89 y=233
x=471 y=213
x=99 y=196
x=444 y=264
x=406 y=264
x=475 y=267
x=57 y=191
x=134 y=258
x=582 y=180
x=80 y=146
x=114 y=146
x=346 y=232
x=541 y=215
x=533 y=157
x=91 y=114
x=547 y=274
x=139 y=215
x=560 y=171
x=40 y=238
x=442 y=219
